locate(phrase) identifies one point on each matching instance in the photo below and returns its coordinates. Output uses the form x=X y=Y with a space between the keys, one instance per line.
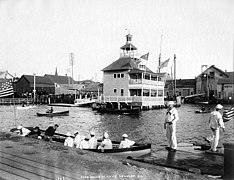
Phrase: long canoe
x=55 y=113
x=119 y=111
x=136 y=150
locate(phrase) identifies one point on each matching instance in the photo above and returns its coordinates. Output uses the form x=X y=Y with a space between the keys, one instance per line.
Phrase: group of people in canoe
x=79 y=141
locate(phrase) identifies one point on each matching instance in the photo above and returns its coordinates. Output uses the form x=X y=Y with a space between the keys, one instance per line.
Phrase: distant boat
x=25 y=107
x=119 y=111
x=55 y=113
x=201 y=111
x=77 y=103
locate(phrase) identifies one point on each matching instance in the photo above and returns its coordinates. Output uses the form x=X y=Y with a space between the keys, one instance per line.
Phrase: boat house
x=128 y=82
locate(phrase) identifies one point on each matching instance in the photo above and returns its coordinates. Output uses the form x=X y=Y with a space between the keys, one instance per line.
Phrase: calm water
x=148 y=127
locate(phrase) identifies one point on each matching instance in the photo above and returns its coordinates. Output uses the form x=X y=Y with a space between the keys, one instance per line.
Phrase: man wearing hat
x=215 y=123
x=106 y=143
x=77 y=139
x=92 y=141
x=69 y=140
x=170 y=126
x=126 y=143
x=49 y=133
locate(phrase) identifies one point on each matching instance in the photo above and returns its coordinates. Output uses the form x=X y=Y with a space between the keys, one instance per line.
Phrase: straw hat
x=19 y=127
x=106 y=135
x=68 y=134
x=92 y=133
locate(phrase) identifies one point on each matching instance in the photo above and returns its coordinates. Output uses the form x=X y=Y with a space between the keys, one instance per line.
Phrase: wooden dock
x=188 y=158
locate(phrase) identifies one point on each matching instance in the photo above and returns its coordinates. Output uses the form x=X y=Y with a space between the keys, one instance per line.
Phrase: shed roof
x=39 y=79
x=60 y=79
x=229 y=80
x=213 y=66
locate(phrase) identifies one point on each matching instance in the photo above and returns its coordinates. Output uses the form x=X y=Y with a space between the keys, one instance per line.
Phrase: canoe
x=25 y=107
x=200 y=111
x=55 y=113
x=136 y=150
x=119 y=111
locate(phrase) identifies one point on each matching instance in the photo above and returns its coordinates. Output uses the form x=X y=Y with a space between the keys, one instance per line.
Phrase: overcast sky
x=37 y=36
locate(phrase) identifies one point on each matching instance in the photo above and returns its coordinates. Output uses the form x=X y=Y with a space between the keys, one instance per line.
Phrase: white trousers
x=171 y=135
x=215 y=139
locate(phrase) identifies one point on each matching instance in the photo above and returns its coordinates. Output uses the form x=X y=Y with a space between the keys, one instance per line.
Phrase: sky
x=37 y=36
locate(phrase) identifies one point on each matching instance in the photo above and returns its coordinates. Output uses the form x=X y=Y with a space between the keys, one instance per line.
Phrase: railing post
x=228 y=160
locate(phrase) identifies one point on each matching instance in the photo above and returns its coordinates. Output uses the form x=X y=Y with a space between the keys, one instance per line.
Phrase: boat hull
x=119 y=111
x=56 y=113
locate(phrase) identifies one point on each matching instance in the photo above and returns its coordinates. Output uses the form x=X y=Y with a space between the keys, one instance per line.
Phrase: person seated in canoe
x=49 y=133
x=69 y=141
x=50 y=110
x=203 y=109
x=126 y=143
x=84 y=144
x=92 y=141
x=106 y=143
x=35 y=133
x=23 y=131
x=77 y=139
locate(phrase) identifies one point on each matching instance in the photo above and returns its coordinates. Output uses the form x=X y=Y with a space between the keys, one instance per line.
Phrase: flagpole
x=159 y=58
x=175 y=74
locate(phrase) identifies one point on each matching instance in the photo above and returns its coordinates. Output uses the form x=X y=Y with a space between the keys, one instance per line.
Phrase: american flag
x=6 y=89
x=228 y=114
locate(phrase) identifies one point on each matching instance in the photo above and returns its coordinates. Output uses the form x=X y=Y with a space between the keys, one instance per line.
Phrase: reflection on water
x=148 y=127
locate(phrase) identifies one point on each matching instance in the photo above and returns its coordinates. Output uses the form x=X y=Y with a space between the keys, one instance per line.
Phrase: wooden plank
x=202 y=162
x=37 y=167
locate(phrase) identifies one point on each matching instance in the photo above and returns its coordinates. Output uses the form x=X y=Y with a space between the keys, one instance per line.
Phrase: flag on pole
x=145 y=56
x=6 y=89
x=164 y=64
x=228 y=114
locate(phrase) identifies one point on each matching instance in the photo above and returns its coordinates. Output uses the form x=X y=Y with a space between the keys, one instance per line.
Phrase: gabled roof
x=213 y=66
x=60 y=79
x=123 y=63
x=229 y=80
x=39 y=79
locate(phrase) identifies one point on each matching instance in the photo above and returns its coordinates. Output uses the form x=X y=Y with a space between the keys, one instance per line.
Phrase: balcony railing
x=146 y=81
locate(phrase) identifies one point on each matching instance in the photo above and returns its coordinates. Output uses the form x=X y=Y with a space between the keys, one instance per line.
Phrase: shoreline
x=53 y=160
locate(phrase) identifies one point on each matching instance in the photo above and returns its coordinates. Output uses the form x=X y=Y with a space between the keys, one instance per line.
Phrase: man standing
x=92 y=141
x=215 y=123
x=170 y=126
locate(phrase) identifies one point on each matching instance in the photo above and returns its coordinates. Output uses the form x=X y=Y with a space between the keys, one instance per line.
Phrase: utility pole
x=34 y=87
x=175 y=73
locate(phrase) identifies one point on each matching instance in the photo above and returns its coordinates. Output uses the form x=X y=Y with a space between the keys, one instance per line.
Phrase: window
x=118 y=75
x=114 y=75
x=115 y=91
x=122 y=92
x=122 y=75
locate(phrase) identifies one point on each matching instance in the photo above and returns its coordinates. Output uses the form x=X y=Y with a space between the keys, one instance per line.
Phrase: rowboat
x=136 y=150
x=201 y=111
x=119 y=111
x=55 y=113
x=25 y=107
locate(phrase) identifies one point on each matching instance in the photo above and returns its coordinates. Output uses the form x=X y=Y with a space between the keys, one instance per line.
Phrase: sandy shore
x=79 y=164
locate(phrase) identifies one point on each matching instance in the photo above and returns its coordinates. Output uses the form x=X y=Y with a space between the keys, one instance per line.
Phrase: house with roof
x=207 y=81
x=64 y=84
x=128 y=81
x=225 y=88
x=26 y=83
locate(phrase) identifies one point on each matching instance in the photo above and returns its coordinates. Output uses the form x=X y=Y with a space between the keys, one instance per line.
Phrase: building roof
x=182 y=82
x=39 y=79
x=123 y=63
x=60 y=79
x=93 y=87
x=213 y=66
x=229 y=80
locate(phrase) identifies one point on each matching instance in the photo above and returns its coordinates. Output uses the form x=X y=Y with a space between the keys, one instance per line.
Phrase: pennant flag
x=164 y=64
x=6 y=89
x=228 y=114
x=145 y=56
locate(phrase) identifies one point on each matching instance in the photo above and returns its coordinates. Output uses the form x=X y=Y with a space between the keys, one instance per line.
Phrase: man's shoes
x=173 y=150
x=168 y=148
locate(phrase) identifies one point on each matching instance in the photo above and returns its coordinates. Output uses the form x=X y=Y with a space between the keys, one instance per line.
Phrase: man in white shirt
x=126 y=143
x=106 y=143
x=84 y=144
x=92 y=141
x=77 y=140
x=170 y=126
x=69 y=141
x=23 y=131
x=215 y=123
